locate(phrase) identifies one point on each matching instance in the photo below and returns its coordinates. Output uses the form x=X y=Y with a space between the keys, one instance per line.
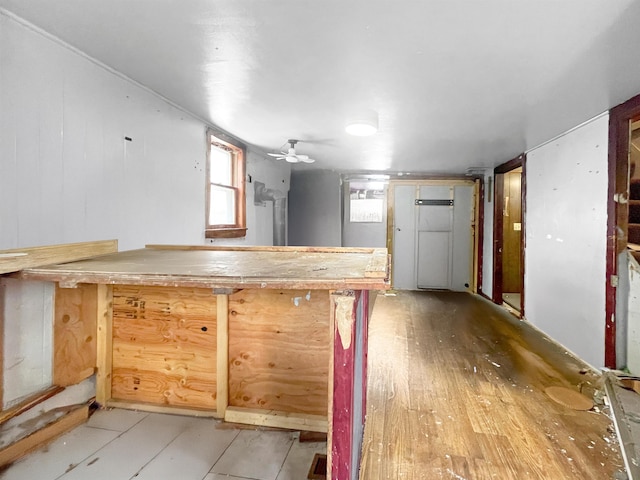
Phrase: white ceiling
x=456 y=84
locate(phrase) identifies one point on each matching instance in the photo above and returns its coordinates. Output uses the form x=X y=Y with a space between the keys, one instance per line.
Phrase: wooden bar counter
x=272 y=336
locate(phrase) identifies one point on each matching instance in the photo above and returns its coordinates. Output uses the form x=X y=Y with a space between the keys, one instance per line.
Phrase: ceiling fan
x=291 y=156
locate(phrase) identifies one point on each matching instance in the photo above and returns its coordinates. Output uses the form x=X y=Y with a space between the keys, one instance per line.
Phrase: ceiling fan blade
x=277 y=155
x=303 y=157
x=291 y=158
x=307 y=160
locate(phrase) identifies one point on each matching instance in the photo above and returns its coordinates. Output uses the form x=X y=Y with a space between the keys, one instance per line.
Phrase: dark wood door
x=512 y=232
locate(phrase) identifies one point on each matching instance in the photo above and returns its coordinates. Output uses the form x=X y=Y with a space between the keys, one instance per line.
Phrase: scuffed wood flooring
x=456 y=391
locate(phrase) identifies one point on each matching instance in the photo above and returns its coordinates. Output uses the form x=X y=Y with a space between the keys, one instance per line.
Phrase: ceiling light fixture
x=363 y=124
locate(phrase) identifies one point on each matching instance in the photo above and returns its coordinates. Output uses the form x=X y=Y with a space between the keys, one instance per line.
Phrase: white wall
x=315 y=209
x=566 y=232
x=67 y=174
x=27 y=344
x=487 y=245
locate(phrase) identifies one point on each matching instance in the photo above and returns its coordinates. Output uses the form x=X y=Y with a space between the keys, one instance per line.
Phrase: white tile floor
x=124 y=445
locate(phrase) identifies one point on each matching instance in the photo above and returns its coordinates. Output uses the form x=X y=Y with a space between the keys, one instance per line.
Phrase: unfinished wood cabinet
x=164 y=346
x=271 y=336
x=49 y=337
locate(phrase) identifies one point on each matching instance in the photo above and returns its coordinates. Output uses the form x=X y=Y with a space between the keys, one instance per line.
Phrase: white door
x=432 y=243
x=404 y=237
x=435 y=235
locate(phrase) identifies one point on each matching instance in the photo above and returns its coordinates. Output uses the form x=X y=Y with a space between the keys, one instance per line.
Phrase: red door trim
x=480 y=234
x=617 y=213
x=498 y=202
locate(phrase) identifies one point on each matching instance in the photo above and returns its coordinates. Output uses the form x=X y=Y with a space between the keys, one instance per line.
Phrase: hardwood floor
x=456 y=391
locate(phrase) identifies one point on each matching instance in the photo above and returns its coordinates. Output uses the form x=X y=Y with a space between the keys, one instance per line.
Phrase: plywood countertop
x=227 y=268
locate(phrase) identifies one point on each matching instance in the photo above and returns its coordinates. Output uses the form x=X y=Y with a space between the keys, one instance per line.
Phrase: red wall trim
x=345 y=428
x=341 y=428
x=498 y=225
x=523 y=241
x=364 y=306
x=611 y=262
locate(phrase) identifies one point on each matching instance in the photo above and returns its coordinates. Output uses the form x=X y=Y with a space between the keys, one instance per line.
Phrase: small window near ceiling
x=366 y=201
x=225 y=208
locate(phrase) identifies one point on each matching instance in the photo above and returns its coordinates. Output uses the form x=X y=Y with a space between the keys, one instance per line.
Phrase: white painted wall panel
x=566 y=220
x=633 y=336
x=27 y=347
x=67 y=174
x=315 y=208
x=487 y=246
x=462 y=260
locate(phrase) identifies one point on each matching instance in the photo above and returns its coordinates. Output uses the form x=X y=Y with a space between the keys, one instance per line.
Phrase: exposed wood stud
x=104 y=341
x=274 y=418
x=168 y=409
x=222 y=383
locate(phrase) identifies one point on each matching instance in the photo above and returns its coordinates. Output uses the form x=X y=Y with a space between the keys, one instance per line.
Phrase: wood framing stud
x=222 y=369
x=104 y=341
x=156 y=408
x=274 y=418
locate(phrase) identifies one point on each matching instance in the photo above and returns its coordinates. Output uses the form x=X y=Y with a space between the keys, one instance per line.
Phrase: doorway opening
x=623 y=231
x=508 y=255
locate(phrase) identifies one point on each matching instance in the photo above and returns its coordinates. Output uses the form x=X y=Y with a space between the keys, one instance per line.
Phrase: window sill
x=225 y=233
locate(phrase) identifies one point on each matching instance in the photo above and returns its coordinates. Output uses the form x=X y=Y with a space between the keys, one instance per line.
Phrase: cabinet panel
x=279 y=350
x=164 y=345
x=74 y=334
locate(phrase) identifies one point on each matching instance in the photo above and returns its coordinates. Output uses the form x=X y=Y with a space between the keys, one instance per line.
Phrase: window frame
x=238 y=150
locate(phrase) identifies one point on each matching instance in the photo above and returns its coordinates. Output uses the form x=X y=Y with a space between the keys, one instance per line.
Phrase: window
x=225 y=208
